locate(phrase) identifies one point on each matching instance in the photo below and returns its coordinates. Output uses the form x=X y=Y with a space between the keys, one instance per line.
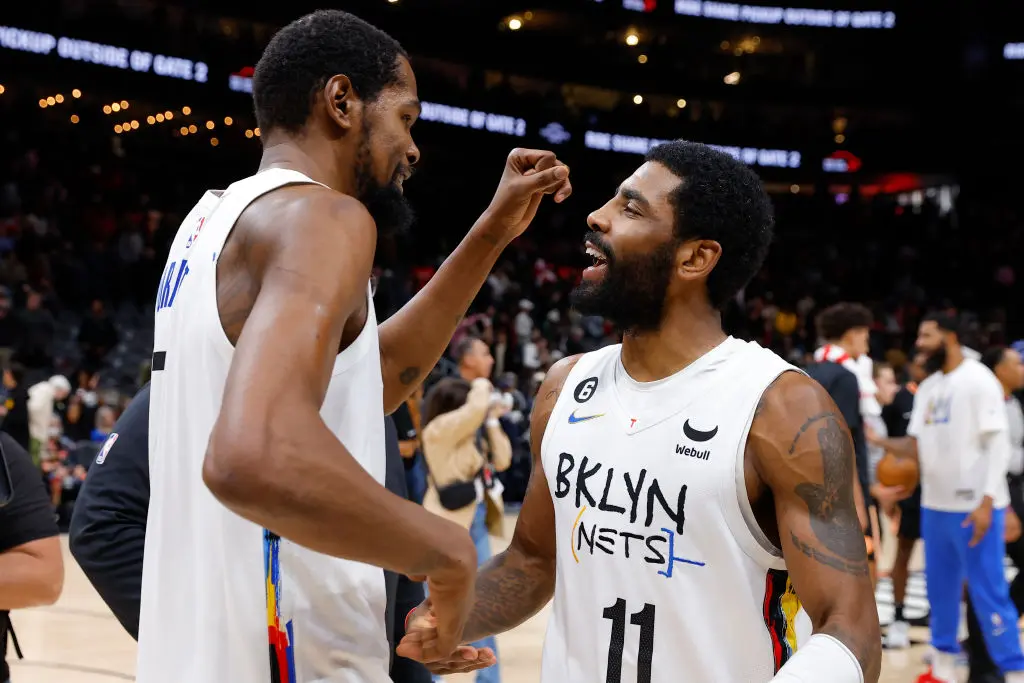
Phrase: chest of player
x=650 y=487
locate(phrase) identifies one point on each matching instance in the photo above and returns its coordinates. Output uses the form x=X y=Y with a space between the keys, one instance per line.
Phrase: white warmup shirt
x=663 y=574
x=223 y=600
x=1015 y=418
x=953 y=414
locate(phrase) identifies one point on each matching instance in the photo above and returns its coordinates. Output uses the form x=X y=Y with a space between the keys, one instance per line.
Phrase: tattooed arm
x=515 y=584
x=801 y=450
x=412 y=340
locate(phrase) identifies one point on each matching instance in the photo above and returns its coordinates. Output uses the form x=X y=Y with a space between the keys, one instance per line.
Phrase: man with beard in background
x=959 y=433
x=268 y=520
x=690 y=490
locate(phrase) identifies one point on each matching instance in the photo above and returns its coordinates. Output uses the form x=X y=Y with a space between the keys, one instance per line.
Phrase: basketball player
x=958 y=431
x=271 y=380
x=690 y=491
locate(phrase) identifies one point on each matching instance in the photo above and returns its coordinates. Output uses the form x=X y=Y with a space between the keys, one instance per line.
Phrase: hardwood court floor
x=79 y=641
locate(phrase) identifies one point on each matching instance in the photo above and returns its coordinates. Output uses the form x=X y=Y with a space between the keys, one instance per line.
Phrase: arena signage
x=1013 y=51
x=790 y=16
x=469 y=118
x=752 y=156
x=103 y=55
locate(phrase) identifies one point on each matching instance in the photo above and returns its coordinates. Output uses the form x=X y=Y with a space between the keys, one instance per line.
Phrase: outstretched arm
x=801 y=449
x=413 y=339
x=517 y=583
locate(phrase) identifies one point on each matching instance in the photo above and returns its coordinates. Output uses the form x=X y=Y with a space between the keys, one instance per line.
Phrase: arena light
x=732 y=79
x=51 y=100
x=183 y=130
x=1013 y=51
x=135 y=125
x=76 y=93
x=791 y=16
x=159 y=118
x=169 y=115
x=151 y=119
x=186 y=110
x=642 y=59
x=638 y=99
x=115 y=107
x=74 y=118
x=124 y=104
x=214 y=142
x=633 y=144
x=42 y=104
x=681 y=103
x=515 y=23
x=248 y=132
x=59 y=98
x=2 y=90
x=193 y=129
x=117 y=128
x=256 y=132
x=210 y=125
x=228 y=120
x=107 y=109
x=632 y=38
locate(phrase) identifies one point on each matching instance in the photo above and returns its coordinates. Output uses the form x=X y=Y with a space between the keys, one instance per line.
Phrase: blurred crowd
x=82 y=246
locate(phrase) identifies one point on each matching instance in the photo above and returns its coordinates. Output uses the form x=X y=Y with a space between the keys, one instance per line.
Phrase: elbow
x=53 y=586
x=232 y=468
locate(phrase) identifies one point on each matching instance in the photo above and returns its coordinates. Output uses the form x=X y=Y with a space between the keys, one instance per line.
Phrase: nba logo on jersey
x=195 y=233
x=107 y=445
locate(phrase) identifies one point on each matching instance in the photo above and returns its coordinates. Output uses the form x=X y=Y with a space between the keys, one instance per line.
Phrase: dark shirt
x=896 y=415
x=842 y=386
x=108 y=528
x=16 y=421
x=27 y=517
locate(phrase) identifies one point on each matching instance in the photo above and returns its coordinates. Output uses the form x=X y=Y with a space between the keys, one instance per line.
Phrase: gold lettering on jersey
x=648 y=539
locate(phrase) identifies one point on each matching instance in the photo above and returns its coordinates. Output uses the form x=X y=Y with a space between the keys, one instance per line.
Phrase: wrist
x=986 y=502
x=491 y=231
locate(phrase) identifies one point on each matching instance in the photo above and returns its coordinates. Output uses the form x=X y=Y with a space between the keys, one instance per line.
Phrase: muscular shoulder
x=310 y=219
x=792 y=409
x=547 y=396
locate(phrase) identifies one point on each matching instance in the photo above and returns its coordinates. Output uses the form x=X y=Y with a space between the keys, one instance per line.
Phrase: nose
x=597 y=221
x=412 y=154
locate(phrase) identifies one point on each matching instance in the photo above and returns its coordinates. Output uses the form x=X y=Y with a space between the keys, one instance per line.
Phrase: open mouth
x=600 y=261
x=598 y=256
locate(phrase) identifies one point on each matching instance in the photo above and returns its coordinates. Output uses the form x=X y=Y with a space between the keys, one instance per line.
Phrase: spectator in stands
x=38 y=330
x=15 y=408
x=41 y=400
x=31 y=561
x=97 y=335
x=105 y=418
x=461 y=461
x=10 y=328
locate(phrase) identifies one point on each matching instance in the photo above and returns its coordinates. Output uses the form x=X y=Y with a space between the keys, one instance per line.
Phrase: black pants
x=981 y=664
x=409 y=596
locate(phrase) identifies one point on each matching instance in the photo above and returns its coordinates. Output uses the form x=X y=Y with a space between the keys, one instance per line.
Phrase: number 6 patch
x=585 y=389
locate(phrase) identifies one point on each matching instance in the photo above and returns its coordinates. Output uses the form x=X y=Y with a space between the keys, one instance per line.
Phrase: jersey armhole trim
x=761 y=549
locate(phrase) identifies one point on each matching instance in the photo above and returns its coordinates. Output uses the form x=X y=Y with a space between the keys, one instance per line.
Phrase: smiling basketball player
x=690 y=491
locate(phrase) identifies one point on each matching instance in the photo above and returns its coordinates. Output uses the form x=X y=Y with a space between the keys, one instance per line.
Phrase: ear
x=343 y=105
x=695 y=259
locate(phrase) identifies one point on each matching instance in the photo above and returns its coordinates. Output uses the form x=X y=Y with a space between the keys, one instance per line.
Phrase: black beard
x=935 y=360
x=632 y=292
x=387 y=204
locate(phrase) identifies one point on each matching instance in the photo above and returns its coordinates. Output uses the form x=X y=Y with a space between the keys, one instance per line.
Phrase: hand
x=888 y=496
x=422 y=632
x=1013 y=526
x=451 y=592
x=981 y=520
x=529 y=175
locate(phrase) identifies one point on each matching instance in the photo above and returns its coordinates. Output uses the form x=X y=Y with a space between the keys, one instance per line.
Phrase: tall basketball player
x=271 y=379
x=690 y=491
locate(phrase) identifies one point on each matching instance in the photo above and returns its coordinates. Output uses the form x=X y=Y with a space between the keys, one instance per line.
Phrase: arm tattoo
x=409 y=375
x=508 y=592
x=833 y=513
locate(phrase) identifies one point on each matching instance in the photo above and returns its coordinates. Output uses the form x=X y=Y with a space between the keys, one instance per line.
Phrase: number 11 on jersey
x=645 y=620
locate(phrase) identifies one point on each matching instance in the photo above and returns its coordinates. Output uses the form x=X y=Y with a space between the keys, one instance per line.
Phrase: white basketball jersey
x=663 y=574
x=223 y=600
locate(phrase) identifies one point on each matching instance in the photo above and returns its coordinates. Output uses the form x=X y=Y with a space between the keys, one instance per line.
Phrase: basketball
x=894 y=471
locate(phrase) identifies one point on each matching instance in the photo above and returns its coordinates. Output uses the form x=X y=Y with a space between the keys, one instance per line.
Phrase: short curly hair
x=302 y=56
x=720 y=199
x=838 y=319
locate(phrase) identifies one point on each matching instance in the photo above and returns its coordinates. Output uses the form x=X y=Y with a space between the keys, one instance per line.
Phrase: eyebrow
x=415 y=104
x=635 y=195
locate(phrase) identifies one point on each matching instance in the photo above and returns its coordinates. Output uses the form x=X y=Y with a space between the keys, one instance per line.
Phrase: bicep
x=313 y=282
x=805 y=454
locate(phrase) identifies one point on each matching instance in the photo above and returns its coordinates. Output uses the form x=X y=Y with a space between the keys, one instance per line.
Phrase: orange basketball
x=894 y=471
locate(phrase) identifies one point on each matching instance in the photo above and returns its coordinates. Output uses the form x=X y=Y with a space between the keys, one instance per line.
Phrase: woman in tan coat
x=461 y=462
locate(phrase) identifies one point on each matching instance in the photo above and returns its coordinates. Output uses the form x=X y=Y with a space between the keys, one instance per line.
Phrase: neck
x=316 y=160
x=687 y=332
x=954 y=357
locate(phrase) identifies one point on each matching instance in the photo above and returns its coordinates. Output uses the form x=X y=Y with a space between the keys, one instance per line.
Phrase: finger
x=967 y=522
x=547 y=181
x=562 y=194
x=522 y=158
